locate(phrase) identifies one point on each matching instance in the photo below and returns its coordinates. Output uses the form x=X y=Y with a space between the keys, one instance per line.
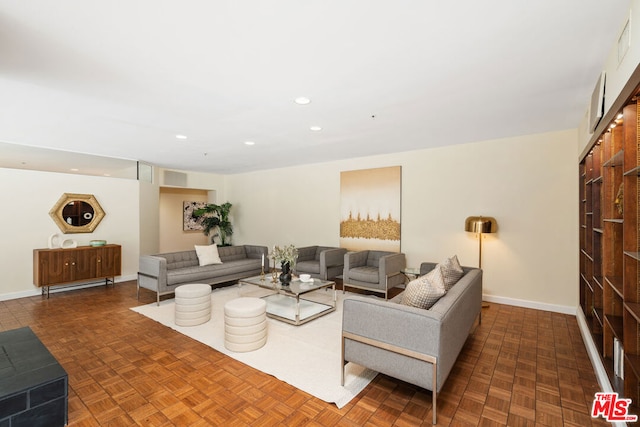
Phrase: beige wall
x=26 y=225
x=172 y=236
x=528 y=183
x=149 y=218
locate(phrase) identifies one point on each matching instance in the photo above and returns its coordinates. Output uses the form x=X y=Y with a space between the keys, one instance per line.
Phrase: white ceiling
x=122 y=78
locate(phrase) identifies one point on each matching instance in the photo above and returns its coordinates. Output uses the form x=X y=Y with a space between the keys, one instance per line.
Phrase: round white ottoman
x=245 y=324
x=193 y=304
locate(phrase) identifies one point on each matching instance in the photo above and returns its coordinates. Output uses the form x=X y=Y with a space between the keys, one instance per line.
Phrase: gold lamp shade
x=480 y=224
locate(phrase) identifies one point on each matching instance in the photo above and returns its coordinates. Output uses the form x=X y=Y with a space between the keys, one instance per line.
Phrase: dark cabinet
x=53 y=267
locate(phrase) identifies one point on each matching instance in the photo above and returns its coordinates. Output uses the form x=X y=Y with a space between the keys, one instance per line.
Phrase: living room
x=528 y=182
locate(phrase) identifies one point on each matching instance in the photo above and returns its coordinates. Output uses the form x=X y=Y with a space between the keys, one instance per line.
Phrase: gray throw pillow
x=426 y=290
x=451 y=271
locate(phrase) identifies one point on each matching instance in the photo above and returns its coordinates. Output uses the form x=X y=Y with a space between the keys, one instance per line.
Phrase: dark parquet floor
x=520 y=367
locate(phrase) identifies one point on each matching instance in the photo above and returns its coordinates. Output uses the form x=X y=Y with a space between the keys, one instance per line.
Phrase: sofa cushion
x=180 y=259
x=232 y=253
x=373 y=258
x=365 y=274
x=426 y=290
x=207 y=273
x=451 y=271
x=208 y=255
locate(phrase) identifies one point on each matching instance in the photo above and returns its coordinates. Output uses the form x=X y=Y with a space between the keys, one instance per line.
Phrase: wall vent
x=178 y=179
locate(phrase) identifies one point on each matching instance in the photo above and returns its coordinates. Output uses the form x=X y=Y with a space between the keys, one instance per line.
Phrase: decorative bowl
x=97 y=242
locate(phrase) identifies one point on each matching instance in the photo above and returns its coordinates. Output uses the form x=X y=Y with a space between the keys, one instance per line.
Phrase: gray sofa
x=412 y=344
x=162 y=273
x=322 y=262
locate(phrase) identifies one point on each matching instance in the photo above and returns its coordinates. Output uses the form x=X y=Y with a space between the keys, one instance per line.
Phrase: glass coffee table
x=286 y=304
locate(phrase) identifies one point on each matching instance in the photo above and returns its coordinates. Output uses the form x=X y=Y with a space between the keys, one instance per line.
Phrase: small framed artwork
x=189 y=223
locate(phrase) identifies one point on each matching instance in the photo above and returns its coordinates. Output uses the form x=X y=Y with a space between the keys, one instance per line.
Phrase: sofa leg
x=342 y=362
x=158 y=299
x=434 y=392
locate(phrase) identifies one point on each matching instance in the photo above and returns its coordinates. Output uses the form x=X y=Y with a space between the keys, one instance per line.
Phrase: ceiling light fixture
x=249 y=143
x=181 y=136
x=302 y=100
x=315 y=128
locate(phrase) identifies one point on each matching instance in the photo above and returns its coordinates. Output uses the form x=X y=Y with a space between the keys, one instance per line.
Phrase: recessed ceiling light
x=181 y=136
x=249 y=143
x=302 y=100
x=315 y=128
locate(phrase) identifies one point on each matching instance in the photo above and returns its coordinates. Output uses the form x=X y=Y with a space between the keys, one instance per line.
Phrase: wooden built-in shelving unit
x=609 y=175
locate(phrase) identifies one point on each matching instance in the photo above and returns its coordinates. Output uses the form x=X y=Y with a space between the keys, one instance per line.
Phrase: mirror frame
x=65 y=199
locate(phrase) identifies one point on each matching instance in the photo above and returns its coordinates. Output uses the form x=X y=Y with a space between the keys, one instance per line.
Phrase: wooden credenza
x=53 y=267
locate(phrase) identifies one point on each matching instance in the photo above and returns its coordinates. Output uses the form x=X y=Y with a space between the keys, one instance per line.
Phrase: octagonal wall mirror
x=77 y=213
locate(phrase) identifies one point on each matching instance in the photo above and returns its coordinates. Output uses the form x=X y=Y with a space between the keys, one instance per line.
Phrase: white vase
x=68 y=244
x=54 y=241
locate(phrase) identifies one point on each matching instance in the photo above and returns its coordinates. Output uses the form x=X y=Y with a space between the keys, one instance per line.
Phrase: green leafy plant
x=216 y=217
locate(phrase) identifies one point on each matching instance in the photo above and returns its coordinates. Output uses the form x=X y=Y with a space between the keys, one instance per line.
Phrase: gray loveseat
x=412 y=344
x=162 y=273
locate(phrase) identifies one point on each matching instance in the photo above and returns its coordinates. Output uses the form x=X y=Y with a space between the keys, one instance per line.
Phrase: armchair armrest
x=391 y=265
x=331 y=258
x=155 y=269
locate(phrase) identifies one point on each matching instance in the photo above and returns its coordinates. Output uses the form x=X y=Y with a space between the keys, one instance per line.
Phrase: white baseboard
x=531 y=304
x=594 y=356
x=592 y=351
x=56 y=289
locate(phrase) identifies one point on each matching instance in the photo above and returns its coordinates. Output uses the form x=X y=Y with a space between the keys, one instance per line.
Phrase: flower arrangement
x=285 y=254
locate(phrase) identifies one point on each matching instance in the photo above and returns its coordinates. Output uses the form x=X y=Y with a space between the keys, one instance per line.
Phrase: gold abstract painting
x=370 y=209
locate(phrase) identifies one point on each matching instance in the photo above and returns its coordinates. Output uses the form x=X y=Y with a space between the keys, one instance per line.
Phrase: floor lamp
x=480 y=225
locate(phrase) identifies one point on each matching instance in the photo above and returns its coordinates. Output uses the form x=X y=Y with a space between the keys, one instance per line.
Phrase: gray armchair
x=321 y=262
x=376 y=271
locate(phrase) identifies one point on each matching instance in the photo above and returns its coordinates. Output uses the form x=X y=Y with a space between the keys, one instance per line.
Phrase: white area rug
x=306 y=356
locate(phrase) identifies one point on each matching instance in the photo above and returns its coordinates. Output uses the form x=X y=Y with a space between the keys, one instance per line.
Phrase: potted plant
x=287 y=257
x=216 y=217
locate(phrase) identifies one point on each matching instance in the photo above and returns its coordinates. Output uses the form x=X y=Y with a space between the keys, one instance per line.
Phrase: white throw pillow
x=426 y=290
x=208 y=255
